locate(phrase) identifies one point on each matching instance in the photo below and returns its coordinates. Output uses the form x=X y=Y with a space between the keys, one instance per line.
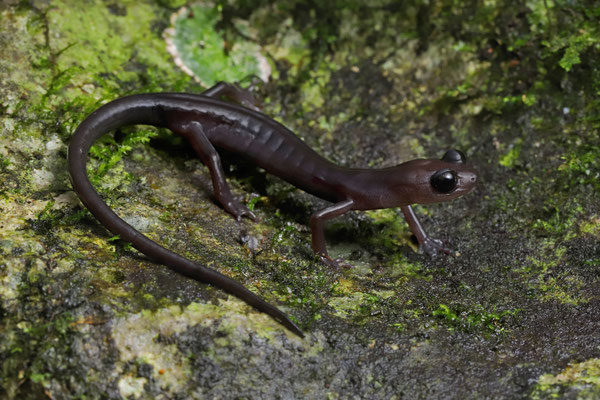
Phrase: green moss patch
x=578 y=379
x=200 y=48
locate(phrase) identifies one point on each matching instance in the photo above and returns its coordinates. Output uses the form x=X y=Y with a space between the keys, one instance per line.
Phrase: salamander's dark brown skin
x=208 y=123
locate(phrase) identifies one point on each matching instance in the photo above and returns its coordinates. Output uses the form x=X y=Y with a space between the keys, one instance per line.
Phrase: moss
x=474 y=319
x=581 y=166
x=591 y=226
x=111 y=44
x=549 y=281
x=510 y=158
x=30 y=349
x=109 y=153
x=578 y=379
x=200 y=49
x=348 y=305
x=391 y=228
x=149 y=338
x=288 y=46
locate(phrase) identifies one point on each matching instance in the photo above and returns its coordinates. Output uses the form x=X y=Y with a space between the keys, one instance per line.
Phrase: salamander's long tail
x=145 y=109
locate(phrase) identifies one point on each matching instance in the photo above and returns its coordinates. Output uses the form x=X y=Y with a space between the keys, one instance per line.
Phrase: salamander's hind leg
x=234 y=93
x=194 y=132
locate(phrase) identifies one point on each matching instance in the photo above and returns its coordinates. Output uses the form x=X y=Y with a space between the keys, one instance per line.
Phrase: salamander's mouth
x=466 y=181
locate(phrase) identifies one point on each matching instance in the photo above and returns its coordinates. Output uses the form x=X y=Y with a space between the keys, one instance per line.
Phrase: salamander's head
x=433 y=181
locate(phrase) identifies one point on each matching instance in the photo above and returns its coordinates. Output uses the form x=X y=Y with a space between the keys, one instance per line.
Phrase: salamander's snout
x=467 y=178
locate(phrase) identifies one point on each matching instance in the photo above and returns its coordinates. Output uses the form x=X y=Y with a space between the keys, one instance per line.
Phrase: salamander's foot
x=250 y=101
x=334 y=263
x=237 y=94
x=239 y=210
x=432 y=247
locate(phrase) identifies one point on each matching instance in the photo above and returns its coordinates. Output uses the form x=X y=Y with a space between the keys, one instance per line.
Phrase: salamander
x=208 y=123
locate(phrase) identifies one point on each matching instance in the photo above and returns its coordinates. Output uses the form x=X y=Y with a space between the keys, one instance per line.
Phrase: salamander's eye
x=454 y=156
x=444 y=180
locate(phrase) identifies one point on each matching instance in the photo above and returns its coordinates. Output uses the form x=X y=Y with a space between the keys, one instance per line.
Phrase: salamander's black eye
x=454 y=156
x=444 y=180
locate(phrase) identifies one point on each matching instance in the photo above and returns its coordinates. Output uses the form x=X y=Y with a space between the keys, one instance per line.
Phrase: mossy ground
x=513 y=313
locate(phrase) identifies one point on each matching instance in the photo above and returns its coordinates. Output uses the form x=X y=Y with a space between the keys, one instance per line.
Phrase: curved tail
x=145 y=109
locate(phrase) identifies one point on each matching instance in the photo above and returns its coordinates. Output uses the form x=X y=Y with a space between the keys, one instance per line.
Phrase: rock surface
x=513 y=313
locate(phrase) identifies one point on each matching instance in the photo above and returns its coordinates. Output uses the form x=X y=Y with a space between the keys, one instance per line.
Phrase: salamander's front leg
x=317 y=221
x=427 y=245
x=234 y=93
x=194 y=132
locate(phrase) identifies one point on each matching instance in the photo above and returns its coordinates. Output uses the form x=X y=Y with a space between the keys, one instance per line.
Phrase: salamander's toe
x=245 y=213
x=432 y=247
x=238 y=210
x=334 y=263
x=249 y=214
